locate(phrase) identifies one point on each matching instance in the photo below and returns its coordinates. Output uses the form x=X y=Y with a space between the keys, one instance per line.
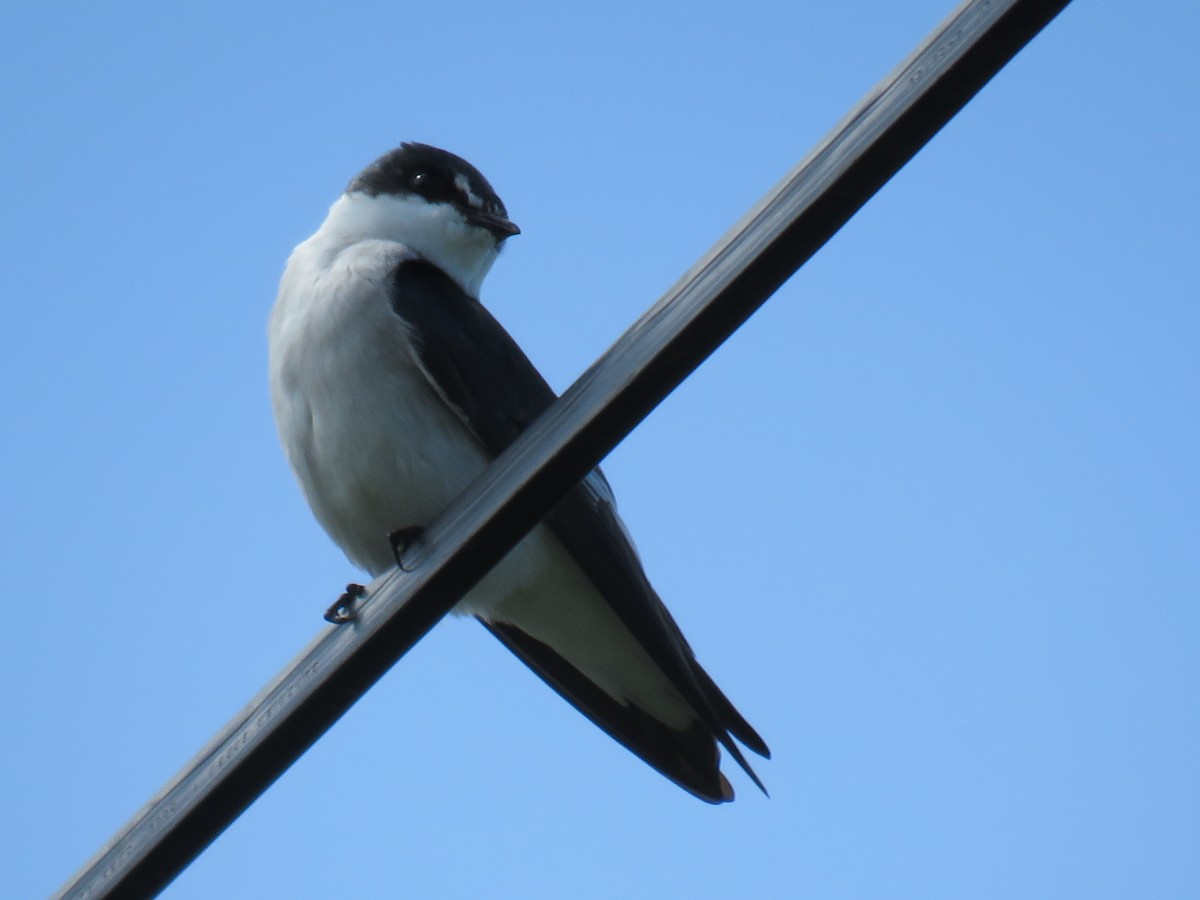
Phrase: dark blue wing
x=483 y=375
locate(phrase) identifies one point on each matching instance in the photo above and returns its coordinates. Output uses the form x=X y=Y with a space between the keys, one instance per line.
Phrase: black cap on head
x=439 y=177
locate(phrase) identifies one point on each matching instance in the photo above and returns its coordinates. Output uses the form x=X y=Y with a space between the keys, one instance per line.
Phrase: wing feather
x=485 y=377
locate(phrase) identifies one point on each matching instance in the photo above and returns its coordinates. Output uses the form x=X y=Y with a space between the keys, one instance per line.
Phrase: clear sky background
x=932 y=518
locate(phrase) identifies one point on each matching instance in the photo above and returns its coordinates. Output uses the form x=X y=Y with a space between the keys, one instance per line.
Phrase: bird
x=393 y=388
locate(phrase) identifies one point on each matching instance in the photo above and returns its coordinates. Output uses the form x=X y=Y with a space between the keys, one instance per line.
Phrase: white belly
x=373 y=446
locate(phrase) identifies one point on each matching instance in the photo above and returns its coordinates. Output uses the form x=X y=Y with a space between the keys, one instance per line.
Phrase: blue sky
x=931 y=517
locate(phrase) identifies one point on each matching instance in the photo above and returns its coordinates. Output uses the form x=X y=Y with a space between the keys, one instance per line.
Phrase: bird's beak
x=499 y=226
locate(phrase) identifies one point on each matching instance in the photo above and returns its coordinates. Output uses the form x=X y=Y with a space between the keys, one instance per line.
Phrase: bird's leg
x=343 y=610
x=402 y=540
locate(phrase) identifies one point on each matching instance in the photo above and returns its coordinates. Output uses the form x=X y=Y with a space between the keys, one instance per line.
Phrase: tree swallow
x=393 y=388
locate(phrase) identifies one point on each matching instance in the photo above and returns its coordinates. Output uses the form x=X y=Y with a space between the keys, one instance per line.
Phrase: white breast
x=373 y=447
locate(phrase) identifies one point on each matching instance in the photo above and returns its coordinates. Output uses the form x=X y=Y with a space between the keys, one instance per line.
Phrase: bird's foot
x=343 y=610
x=402 y=540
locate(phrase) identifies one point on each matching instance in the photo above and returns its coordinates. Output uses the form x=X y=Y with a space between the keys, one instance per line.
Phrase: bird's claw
x=343 y=610
x=402 y=540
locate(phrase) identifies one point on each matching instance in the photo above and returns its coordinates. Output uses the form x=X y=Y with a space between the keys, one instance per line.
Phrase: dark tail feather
x=688 y=757
x=731 y=718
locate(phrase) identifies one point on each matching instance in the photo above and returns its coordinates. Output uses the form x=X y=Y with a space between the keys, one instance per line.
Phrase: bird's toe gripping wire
x=402 y=540
x=342 y=610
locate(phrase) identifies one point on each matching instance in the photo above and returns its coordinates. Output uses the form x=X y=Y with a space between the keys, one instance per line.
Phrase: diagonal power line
x=662 y=348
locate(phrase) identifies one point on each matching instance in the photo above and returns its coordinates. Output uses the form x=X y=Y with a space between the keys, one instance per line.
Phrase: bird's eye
x=432 y=184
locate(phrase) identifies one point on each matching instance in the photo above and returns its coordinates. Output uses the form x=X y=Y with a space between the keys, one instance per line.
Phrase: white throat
x=436 y=231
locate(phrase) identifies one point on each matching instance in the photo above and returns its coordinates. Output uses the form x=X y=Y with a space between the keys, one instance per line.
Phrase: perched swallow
x=393 y=388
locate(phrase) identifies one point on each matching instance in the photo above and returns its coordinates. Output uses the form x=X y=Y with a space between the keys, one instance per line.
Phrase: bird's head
x=435 y=203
